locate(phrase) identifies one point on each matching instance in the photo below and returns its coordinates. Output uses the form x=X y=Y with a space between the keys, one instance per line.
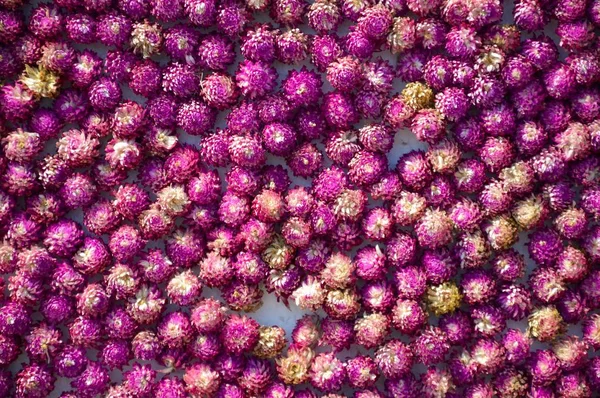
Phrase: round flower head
x=590 y=330
x=457 y=326
x=130 y=201
x=585 y=104
x=545 y=324
x=146 y=345
x=341 y=147
x=200 y=13
x=35 y=262
x=571 y=352
x=274 y=108
x=146 y=39
x=205 y=346
x=180 y=42
x=218 y=90
x=165 y=11
x=358 y=45
x=336 y=334
x=93 y=301
x=439 y=265
x=517 y=345
x=270 y=343
x=324 y=16
x=128 y=119
x=108 y=177
x=40 y=81
x=585 y=66
x=255 y=79
x=120 y=325
x=70 y=361
x=92 y=257
x=434 y=229
x=56 y=308
x=407 y=316
x=101 y=217
x=215 y=52
x=444 y=298
x=408 y=207
x=180 y=80
x=246 y=151
x=452 y=103
x=414 y=170
x=487 y=320
x=45 y=123
x=24 y=289
x=305 y=160
x=572 y=306
x=589 y=289
x=115 y=354
x=339 y=110
x=175 y=330
x=155 y=266
x=258 y=44
x=544 y=367
x=590 y=200
x=201 y=380
x=195 y=117
x=147 y=304
x=125 y=243
x=327 y=373
x=400 y=249
x=555 y=116
x=303 y=87
x=288 y=12
x=376 y=138
x=242 y=297
x=215 y=270
x=43 y=343
x=397 y=113
x=530 y=213
x=325 y=49
x=34 y=380
x=170 y=388
x=544 y=246
x=501 y=232
x=572 y=265
x=240 y=334
x=338 y=271
x=17 y=102
x=466 y=214
x=514 y=301
x=420 y=97
x=366 y=168
x=23 y=231
x=431 y=346
x=85 y=332
x=279 y=138
x=344 y=74
x=291 y=46
x=306 y=332
x=277 y=389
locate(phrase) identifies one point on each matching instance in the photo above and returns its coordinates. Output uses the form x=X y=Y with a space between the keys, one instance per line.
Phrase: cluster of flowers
x=512 y=134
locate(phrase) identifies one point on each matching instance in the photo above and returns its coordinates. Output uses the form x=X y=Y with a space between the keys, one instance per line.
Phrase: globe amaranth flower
x=444 y=298
x=255 y=79
x=291 y=46
x=258 y=43
x=293 y=368
x=240 y=334
x=34 y=380
x=408 y=316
